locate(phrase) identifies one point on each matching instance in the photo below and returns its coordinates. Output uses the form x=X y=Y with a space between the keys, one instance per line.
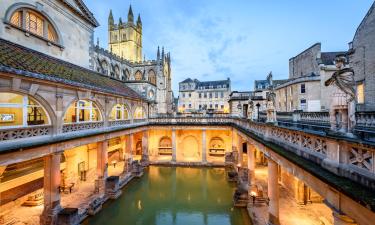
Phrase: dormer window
x=34 y=23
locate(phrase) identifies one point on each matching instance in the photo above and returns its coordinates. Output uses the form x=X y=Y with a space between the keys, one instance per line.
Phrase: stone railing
x=191 y=120
x=284 y=116
x=317 y=121
x=315 y=117
x=365 y=125
x=139 y=120
x=119 y=123
x=25 y=132
x=81 y=126
x=347 y=158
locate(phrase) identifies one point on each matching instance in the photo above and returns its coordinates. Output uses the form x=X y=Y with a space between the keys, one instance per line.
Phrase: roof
x=29 y=63
x=213 y=83
x=188 y=80
x=79 y=7
x=279 y=82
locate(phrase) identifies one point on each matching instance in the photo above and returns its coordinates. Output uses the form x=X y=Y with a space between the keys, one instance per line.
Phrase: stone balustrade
x=119 y=123
x=365 y=125
x=81 y=126
x=25 y=132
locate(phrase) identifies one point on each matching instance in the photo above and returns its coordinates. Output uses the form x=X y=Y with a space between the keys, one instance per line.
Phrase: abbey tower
x=125 y=38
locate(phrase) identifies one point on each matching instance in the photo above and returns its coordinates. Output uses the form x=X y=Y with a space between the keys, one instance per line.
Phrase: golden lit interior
x=139 y=113
x=20 y=110
x=82 y=111
x=119 y=112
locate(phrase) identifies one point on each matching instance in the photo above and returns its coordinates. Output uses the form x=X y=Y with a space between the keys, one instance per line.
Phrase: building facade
x=361 y=55
x=198 y=96
x=152 y=79
x=305 y=89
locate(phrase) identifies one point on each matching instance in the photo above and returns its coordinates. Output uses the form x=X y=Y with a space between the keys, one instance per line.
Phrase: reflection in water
x=198 y=196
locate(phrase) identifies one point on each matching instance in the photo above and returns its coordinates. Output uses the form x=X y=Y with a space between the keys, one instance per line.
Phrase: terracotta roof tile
x=26 y=62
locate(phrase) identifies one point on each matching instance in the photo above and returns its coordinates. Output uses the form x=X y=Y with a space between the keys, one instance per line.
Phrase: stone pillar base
x=113 y=190
x=49 y=217
x=272 y=220
x=68 y=216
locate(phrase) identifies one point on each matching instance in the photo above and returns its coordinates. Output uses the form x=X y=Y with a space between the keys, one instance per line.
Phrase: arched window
x=104 y=67
x=151 y=77
x=119 y=112
x=117 y=72
x=217 y=147
x=20 y=111
x=139 y=113
x=165 y=146
x=126 y=75
x=82 y=111
x=138 y=75
x=34 y=23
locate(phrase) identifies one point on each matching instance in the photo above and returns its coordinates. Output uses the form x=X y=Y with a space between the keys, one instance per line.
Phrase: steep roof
x=79 y=8
x=213 y=83
x=29 y=63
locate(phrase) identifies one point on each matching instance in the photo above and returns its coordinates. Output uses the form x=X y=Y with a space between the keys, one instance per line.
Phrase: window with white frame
x=82 y=111
x=119 y=112
x=18 y=110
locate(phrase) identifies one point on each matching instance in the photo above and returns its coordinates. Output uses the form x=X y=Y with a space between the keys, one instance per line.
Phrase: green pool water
x=174 y=196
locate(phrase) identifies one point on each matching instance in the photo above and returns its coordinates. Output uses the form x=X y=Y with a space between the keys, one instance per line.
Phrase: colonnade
x=273 y=187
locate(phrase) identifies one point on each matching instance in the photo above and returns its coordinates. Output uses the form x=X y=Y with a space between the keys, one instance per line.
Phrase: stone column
x=204 y=146
x=2 y=170
x=342 y=219
x=102 y=165
x=129 y=145
x=251 y=163
x=145 y=146
x=344 y=120
x=123 y=148
x=240 y=151
x=174 y=143
x=51 y=184
x=273 y=193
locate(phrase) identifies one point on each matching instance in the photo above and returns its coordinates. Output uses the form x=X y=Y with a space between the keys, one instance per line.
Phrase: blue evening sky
x=240 y=39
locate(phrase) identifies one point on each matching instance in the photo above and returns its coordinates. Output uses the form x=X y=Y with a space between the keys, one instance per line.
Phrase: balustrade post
x=204 y=146
x=174 y=143
x=51 y=184
x=273 y=193
x=102 y=166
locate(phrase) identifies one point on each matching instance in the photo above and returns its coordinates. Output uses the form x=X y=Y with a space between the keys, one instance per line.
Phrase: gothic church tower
x=125 y=38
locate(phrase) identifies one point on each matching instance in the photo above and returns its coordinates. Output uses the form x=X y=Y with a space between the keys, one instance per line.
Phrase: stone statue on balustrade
x=250 y=110
x=342 y=111
x=271 y=112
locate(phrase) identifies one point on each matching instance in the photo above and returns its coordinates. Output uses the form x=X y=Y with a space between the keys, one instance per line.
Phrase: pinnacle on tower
x=130 y=15
x=120 y=22
x=158 y=54
x=111 y=22
x=139 y=21
x=162 y=53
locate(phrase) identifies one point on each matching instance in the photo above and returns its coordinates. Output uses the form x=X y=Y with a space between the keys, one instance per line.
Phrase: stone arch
x=216 y=147
x=137 y=110
x=125 y=112
x=190 y=148
x=138 y=75
x=116 y=71
x=152 y=76
x=96 y=103
x=50 y=112
x=126 y=74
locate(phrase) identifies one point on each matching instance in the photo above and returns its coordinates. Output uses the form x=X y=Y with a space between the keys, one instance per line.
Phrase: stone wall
x=74 y=48
x=19 y=191
x=305 y=63
x=362 y=59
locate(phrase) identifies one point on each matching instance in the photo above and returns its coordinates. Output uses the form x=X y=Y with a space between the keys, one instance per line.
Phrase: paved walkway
x=291 y=213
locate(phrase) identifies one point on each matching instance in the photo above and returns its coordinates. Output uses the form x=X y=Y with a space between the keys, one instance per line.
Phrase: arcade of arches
x=81 y=169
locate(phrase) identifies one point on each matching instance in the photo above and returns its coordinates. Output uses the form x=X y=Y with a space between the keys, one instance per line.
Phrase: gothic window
x=152 y=77
x=126 y=75
x=34 y=23
x=82 y=111
x=105 y=67
x=119 y=112
x=138 y=75
x=20 y=111
x=117 y=72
